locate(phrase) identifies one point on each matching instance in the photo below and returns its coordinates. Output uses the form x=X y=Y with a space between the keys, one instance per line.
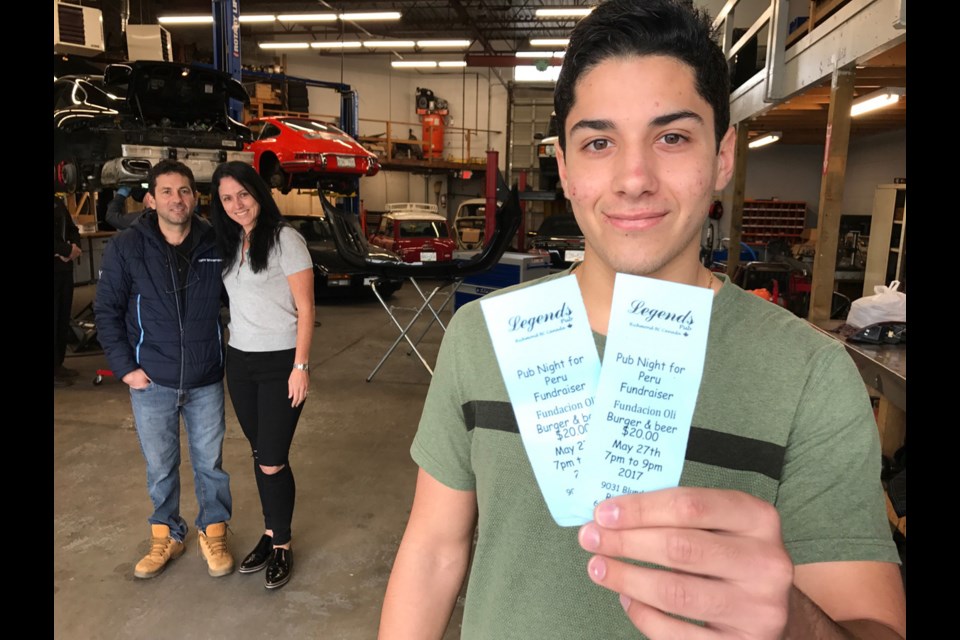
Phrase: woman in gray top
x=268 y=275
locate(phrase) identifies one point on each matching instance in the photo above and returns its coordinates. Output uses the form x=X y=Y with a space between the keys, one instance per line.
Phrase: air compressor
x=432 y=111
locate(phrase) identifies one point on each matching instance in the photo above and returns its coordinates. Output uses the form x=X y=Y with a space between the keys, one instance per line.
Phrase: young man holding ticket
x=642 y=448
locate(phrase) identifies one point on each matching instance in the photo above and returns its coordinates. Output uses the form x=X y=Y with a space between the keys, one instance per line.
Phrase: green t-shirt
x=782 y=414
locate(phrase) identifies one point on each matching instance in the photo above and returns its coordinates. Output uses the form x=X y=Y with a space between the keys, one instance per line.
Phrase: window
x=269 y=131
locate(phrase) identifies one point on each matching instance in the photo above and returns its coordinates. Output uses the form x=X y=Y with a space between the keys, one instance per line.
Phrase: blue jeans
x=157 y=410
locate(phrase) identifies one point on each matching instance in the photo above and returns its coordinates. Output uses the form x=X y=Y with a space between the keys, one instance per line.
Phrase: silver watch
x=303 y=366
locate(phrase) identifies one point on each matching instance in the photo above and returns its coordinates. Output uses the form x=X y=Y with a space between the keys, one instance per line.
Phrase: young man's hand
x=729 y=566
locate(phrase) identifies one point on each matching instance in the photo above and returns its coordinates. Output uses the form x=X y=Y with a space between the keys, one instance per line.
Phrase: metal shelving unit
x=766 y=220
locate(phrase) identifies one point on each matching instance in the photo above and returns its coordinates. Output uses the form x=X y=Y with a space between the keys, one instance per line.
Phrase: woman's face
x=238 y=203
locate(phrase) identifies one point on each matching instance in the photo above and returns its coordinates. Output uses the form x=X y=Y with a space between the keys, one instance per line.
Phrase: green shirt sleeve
x=830 y=497
x=442 y=444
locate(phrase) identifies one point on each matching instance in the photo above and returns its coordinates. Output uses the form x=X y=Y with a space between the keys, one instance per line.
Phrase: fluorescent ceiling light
x=393 y=44
x=876 y=100
x=765 y=140
x=529 y=73
x=540 y=54
x=549 y=42
x=413 y=64
x=284 y=45
x=185 y=20
x=569 y=12
x=452 y=63
x=257 y=18
x=355 y=44
x=307 y=17
x=450 y=44
x=371 y=15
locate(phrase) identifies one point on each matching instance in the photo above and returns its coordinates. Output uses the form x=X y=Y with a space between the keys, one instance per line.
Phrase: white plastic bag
x=886 y=305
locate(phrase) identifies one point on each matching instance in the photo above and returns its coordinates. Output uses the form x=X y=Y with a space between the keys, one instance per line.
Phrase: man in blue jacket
x=158 y=320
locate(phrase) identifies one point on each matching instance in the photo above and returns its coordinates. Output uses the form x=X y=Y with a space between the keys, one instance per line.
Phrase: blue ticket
x=648 y=387
x=549 y=362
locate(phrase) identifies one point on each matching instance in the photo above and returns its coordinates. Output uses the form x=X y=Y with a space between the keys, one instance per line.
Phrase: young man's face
x=641 y=165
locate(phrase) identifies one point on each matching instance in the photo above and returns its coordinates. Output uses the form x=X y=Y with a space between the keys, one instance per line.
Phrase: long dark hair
x=229 y=233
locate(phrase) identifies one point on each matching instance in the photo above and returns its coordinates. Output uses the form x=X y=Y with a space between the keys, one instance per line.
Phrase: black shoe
x=257 y=559
x=63 y=372
x=279 y=568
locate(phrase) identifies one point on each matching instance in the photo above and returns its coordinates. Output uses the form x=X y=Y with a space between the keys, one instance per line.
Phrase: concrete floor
x=355 y=482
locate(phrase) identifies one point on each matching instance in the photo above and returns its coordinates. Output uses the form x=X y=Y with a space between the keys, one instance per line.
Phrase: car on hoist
x=109 y=129
x=292 y=152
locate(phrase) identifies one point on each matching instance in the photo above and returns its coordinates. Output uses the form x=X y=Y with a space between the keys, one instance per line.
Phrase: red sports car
x=302 y=153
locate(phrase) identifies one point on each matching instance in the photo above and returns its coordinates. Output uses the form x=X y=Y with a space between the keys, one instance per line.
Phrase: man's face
x=641 y=165
x=174 y=200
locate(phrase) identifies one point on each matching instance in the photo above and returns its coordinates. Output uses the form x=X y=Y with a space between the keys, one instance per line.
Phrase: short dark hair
x=229 y=233
x=621 y=28
x=169 y=166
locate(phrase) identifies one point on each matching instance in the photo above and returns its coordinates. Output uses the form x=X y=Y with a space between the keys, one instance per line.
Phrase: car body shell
x=332 y=276
x=110 y=129
x=559 y=237
x=470 y=223
x=295 y=152
x=415 y=232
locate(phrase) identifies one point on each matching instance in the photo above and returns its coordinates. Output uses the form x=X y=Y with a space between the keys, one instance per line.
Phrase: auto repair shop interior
x=414 y=121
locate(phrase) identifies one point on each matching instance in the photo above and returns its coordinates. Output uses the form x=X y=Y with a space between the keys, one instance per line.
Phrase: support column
x=736 y=207
x=493 y=169
x=831 y=193
x=226 y=44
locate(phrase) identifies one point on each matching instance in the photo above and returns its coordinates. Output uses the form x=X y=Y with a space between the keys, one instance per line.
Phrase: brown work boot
x=163 y=548
x=213 y=548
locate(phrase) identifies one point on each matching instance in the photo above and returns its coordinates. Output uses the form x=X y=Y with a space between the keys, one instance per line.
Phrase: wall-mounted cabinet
x=886 y=251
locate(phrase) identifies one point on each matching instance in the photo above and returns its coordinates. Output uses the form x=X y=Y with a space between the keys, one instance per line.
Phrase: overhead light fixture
x=448 y=44
x=307 y=17
x=539 y=54
x=413 y=64
x=392 y=44
x=355 y=44
x=185 y=20
x=764 y=140
x=446 y=64
x=257 y=18
x=549 y=42
x=371 y=15
x=563 y=12
x=284 y=45
x=530 y=73
x=289 y=17
x=876 y=100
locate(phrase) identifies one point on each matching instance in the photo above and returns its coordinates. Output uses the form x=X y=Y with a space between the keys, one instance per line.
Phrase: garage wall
x=794 y=172
x=476 y=100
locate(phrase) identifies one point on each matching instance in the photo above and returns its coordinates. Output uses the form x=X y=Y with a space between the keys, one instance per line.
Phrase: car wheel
x=273 y=175
x=65 y=177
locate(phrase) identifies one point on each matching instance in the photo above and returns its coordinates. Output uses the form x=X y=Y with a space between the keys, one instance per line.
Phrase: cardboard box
x=263 y=91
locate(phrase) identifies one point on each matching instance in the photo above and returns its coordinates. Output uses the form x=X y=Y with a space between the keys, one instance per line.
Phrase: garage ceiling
x=503 y=27
x=803 y=118
x=497 y=26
